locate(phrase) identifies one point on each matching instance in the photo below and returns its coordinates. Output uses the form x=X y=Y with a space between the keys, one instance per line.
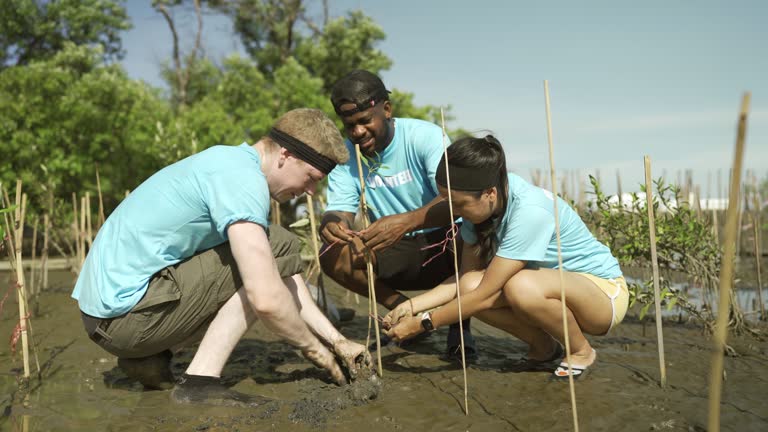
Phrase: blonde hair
x=315 y=129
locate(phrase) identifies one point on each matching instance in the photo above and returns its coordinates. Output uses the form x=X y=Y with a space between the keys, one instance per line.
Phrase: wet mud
x=82 y=388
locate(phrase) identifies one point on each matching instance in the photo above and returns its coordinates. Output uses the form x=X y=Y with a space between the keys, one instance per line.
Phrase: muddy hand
x=354 y=357
x=320 y=356
x=395 y=315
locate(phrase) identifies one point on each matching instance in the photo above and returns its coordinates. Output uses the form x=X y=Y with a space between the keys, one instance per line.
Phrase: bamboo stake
x=21 y=203
x=75 y=227
x=655 y=264
x=88 y=224
x=758 y=246
x=372 y=303
x=455 y=266
x=34 y=260
x=618 y=187
x=726 y=273
x=560 y=260
x=101 y=201
x=81 y=258
x=11 y=233
x=316 y=247
x=44 y=258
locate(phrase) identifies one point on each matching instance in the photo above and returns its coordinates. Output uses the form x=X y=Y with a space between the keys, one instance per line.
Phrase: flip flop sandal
x=579 y=371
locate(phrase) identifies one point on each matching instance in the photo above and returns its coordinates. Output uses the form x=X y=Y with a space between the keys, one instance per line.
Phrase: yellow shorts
x=617 y=292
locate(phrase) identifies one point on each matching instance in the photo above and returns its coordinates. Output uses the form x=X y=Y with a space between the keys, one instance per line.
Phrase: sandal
x=579 y=371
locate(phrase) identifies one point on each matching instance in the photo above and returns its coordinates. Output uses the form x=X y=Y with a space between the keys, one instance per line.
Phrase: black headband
x=380 y=95
x=302 y=151
x=467 y=179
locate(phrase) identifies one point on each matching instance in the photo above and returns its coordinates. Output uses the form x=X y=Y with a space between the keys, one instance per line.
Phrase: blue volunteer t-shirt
x=182 y=209
x=527 y=233
x=399 y=180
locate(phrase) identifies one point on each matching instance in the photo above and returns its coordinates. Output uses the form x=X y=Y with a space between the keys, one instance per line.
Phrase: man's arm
x=334 y=226
x=354 y=356
x=390 y=229
x=270 y=298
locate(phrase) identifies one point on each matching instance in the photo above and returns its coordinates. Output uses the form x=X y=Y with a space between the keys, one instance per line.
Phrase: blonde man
x=190 y=252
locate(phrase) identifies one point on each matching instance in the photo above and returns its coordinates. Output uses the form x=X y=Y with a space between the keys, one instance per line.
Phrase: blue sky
x=627 y=79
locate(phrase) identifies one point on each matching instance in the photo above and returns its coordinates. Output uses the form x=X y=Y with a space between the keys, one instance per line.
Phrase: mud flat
x=82 y=388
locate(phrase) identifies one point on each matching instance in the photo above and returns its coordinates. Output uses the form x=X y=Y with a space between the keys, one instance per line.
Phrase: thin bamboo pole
x=33 y=266
x=76 y=227
x=21 y=204
x=455 y=265
x=726 y=273
x=655 y=264
x=88 y=224
x=316 y=248
x=758 y=246
x=618 y=188
x=372 y=303
x=560 y=260
x=83 y=233
x=101 y=201
x=44 y=258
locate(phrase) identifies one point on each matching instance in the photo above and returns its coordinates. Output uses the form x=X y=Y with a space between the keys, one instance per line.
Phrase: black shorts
x=401 y=267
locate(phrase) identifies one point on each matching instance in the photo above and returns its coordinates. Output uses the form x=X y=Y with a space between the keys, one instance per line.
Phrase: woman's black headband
x=302 y=151
x=467 y=179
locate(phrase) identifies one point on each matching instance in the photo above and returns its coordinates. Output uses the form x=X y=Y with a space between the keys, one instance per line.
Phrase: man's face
x=295 y=178
x=370 y=128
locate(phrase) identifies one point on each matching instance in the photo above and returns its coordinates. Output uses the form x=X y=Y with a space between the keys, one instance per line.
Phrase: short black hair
x=359 y=87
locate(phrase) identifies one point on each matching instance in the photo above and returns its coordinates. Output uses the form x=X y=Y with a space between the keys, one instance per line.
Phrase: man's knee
x=286 y=248
x=336 y=262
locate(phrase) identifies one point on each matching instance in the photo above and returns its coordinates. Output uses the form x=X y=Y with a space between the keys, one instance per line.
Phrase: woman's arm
x=499 y=272
x=488 y=291
x=446 y=291
x=438 y=295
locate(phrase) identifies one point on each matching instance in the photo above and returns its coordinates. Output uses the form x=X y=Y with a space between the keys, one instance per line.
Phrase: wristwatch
x=426 y=322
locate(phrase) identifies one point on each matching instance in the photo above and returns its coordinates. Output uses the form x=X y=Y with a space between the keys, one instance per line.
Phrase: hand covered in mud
x=394 y=316
x=407 y=328
x=353 y=356
x=320 y=356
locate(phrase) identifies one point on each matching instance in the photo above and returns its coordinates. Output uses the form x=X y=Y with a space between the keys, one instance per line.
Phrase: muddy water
x=82 y=389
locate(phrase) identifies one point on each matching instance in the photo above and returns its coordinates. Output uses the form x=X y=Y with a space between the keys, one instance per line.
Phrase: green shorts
x=182 y=300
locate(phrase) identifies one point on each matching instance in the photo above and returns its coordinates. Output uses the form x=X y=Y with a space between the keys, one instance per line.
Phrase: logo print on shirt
x=399 y=179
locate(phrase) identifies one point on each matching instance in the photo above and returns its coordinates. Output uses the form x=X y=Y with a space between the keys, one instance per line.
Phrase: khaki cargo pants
x=183 y=299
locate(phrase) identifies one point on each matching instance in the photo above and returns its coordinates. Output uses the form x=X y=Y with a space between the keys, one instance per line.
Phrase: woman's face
x=471 y=207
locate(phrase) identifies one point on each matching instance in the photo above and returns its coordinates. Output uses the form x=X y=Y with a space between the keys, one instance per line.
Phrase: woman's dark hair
x=487 y=156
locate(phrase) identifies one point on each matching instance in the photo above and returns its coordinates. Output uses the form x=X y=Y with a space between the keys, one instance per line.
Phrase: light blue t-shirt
x=527 y=233
x=404 y=180
x=182 y=209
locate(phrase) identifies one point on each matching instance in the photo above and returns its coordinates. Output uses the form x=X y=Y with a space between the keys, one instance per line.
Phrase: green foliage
x=61 y=118
x=36 y=29
x=685 y=244
x=346 y=43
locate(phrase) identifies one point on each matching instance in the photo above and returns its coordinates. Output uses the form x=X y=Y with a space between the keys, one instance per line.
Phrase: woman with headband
x=509 y=273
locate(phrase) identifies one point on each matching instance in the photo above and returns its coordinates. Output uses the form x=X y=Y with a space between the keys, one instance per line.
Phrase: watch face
x=426 y=322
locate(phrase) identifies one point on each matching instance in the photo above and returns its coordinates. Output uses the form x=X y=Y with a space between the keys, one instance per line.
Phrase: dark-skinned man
x=406 y=211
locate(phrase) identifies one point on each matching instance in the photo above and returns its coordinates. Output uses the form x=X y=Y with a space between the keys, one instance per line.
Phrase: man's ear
x=387 y=107
x=284 y=153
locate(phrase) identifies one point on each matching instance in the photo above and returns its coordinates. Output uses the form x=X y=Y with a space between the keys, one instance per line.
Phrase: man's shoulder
x=417 y=125
x=420 y=134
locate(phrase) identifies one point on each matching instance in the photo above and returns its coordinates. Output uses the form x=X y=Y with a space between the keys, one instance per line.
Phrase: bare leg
x=541 y=344
x=534 y=296
x=225 y=331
